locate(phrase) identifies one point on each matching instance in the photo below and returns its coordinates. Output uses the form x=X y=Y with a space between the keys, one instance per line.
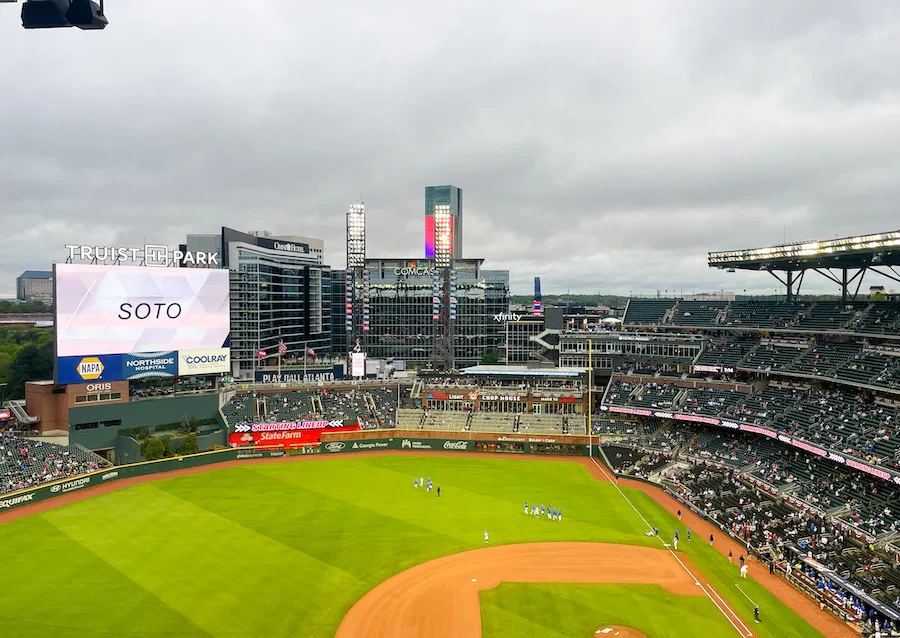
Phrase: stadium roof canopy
x=879 y=252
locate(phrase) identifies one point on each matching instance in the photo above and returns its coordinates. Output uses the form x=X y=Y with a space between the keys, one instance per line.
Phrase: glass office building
x=400 y=308
x=280 y=290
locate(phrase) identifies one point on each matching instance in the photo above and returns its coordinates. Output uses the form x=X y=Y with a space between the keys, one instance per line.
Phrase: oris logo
x=456 y=445
x=98 y=387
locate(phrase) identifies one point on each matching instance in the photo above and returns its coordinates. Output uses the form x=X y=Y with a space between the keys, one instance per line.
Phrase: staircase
x=17 y=407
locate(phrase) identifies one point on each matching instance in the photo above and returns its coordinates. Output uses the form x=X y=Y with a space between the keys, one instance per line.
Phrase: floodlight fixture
x=833 y=247
x=356 y=236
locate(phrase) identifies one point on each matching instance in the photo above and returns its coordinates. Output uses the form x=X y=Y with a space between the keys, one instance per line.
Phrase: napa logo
x=90 y=368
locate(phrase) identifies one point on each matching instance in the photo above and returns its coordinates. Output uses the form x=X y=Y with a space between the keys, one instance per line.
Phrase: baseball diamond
x=347 y=546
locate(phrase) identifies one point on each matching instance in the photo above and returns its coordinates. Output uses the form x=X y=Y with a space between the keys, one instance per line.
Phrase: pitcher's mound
x=619 y=632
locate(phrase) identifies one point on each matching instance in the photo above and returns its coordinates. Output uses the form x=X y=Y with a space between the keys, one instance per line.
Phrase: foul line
x=745 y=595
x=675 y=556
x=736 y=617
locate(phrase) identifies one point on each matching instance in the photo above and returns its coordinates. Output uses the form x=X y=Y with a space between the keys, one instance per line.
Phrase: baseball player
x=485 y=537
x=416 y=483
x=559 y=515
x=439 y=490
x=744 y=570
x=550 y=512
x=756 y=613
x=526 y=507
x=675 y=540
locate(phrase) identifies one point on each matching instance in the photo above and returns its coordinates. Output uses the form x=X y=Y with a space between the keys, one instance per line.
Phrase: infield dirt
x=439 y=599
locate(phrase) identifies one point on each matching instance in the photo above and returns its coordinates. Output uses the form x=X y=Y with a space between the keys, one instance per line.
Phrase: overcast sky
x=604 y=146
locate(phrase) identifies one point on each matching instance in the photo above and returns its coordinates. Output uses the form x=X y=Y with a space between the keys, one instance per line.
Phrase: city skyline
x=611 y=158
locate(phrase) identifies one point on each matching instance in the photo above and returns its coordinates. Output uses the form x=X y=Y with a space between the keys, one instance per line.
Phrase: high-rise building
x=401 y=301
x=280 y=291
x=35 y=285
x=443 y=199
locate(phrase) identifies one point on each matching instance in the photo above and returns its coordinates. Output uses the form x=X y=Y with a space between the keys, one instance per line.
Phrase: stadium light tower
x=52 y=14
x=356 y=236
x=356 y=264
x=443 y=353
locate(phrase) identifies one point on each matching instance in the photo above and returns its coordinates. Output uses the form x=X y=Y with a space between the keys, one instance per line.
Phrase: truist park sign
x=148 y=255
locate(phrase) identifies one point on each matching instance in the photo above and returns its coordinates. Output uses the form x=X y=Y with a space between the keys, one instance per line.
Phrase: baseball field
x=347 y=546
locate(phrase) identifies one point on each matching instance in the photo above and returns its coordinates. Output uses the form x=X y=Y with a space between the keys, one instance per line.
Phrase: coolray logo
x=335 y=446
x=90 y=368
x=16 y=500
x=109 y=475
x=456 y=445
x=406 y=443
x=206 y=358
x=506 y=316
x=150 y=255
x=207 y=361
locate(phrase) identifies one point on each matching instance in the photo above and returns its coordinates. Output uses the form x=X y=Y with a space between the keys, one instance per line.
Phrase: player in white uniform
x=485 y=536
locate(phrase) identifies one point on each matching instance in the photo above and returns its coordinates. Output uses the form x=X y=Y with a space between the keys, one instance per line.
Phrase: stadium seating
x=647 y=311
x=370 y=407
x=26 y=463
x=762 y=314
x=698 y=313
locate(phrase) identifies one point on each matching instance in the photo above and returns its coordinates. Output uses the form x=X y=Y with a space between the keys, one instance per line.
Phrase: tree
x=189 y=445
x=153 y=449
x=31 y=362
x=167 y=446
x=490 y=357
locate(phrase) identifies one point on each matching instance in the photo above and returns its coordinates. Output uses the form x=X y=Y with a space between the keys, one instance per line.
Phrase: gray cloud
x=603 y=146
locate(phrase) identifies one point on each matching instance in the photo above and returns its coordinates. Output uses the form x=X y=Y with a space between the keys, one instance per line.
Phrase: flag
x=310 y=351
x=261 y=354
x=282 y=348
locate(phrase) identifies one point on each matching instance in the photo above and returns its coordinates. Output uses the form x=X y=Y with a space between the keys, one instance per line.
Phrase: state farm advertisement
x=284 y=437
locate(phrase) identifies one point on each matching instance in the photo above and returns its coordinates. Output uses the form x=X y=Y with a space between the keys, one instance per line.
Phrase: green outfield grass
x=285 y=549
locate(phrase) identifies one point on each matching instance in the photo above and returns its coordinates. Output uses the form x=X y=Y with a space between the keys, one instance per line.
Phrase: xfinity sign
x=506 y=316
x=150 y=255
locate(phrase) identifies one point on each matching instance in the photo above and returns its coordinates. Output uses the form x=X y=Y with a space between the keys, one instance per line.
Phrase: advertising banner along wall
x=284 y=437
x=198 y=362
x=152 y=365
